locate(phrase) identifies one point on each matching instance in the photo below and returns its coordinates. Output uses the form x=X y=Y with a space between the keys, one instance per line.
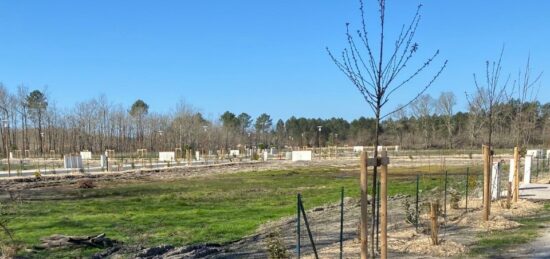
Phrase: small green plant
x=455 y=198
x=276 y=247
x=37 y=174
x=255 y=156
x=472 y=183
x=411 y=216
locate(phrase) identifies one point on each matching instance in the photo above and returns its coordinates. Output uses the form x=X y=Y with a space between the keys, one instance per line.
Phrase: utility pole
x=6 y=141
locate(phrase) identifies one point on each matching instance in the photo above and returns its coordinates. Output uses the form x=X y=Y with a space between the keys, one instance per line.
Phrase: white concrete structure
x=527 y=171
x=547 y=154
x=104 y=161
x=197 y=155
x=265 y=155
x=272 y=151
x=288 y=155
x=495 y=181
x=535 y=153
x=167 y=156
x=301 y=155
x=234 y=152
x=358 y=149
x=86 y=155
x=72 y=162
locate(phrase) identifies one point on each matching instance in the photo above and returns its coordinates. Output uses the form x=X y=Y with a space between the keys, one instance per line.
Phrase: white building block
x=72 y=162
x=86 y=155
x=358 y=149
x=301 y=155
x=495 y=181
x=167 y=156
x=527 y=171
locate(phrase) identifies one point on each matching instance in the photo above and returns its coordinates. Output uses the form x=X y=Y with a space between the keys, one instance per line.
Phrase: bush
x=411 y=216
x=86 y=184
x=455 y=198
x=255 y=156
x=276 y=247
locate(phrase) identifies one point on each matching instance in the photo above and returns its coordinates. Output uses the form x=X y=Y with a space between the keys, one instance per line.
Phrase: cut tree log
x=56 y=241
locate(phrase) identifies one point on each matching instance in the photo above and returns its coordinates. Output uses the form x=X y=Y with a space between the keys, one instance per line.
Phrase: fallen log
x=57 y=241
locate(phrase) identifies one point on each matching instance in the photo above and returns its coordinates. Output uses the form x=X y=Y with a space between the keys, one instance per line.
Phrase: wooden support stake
x=486 y=182
x=364 y=205
x=516 y=174
x=384 y=208
x=434 y=209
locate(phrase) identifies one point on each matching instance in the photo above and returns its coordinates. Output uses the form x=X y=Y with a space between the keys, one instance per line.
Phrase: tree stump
x=434 y=211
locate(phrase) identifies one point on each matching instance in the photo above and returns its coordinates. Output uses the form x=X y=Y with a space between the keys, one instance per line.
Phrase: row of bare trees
x=33 y=122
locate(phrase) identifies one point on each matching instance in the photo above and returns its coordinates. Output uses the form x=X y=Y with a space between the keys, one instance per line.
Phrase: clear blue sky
x=251 y=56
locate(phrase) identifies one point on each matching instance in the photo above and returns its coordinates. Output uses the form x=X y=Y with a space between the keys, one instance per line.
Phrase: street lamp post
x=205 y=127
x=319 y=140
x=6 y=141
x=42 y=149
x=160 y=132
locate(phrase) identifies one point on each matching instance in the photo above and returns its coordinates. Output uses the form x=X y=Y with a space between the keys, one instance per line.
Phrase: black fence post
x=298 y=225
x=417 y=215
x=341 y=222
x=308 y=230
x=445 y=196
x=467 y=185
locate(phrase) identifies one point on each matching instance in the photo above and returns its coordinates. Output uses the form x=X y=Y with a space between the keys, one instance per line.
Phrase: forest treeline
x=30 y=121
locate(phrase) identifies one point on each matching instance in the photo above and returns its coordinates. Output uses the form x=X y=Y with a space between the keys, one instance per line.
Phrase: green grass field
x=213 y=209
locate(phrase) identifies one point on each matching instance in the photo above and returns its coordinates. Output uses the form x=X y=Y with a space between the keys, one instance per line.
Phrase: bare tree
x=445 y=104
x=489 y=94
x=423 y=108
x=378 y=74
x=526 y=89
x=476 y=120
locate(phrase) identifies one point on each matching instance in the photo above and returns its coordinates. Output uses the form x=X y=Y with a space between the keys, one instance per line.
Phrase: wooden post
x=486 y=182
x=364 y=205
x=516 y=174
x=434 y=208
x=384 y=206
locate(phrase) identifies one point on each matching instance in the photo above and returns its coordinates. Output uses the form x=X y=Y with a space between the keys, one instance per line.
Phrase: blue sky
x=249 y=56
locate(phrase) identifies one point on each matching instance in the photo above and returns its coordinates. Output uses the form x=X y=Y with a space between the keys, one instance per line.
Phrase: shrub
x=86 y=184
x=276 y=247
x=455 y=198
x=411 y=216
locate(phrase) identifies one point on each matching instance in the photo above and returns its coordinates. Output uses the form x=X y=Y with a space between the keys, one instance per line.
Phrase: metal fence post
x=467 y=184
x=308 y=230
x=341 y=222
x=298 y=202
x=445 y=197
x=417 y=191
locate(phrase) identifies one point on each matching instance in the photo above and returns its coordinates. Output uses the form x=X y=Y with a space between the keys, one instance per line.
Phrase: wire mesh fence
x=458 y=190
